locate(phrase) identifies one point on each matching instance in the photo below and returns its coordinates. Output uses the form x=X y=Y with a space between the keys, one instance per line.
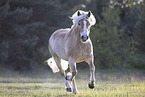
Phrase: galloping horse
x=73 y=45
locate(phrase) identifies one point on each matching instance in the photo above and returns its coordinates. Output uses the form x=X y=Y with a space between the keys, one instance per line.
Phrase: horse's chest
x=82 y=54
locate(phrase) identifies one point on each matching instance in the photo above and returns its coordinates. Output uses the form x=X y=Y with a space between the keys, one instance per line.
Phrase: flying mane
x=75 y=18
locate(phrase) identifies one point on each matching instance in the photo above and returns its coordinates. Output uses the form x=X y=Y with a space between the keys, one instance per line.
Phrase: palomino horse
x=73 y=45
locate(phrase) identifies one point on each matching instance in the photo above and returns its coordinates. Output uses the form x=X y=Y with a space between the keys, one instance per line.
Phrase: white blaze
x=85 y=23
x=84 y=29
x=85 y=32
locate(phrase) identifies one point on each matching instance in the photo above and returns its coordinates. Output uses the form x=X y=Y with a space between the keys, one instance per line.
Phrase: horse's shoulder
x=60 y=33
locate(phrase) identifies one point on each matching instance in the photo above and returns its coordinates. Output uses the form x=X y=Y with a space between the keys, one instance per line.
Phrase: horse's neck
x=74 y=33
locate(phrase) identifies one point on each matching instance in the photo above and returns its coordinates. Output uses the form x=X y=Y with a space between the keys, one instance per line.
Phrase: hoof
x=68 y=89
x=91 y=86
x=76 y=92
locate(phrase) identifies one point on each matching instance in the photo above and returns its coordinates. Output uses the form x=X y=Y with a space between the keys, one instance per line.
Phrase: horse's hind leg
x=62 y=72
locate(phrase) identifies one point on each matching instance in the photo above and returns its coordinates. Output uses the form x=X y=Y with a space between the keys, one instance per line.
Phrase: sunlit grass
x=108 y=84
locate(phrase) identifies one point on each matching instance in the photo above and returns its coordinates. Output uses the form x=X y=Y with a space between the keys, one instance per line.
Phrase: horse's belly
x=61 y=54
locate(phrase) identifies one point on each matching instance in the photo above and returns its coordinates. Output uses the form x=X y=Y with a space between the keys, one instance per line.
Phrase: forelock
x=75 y=18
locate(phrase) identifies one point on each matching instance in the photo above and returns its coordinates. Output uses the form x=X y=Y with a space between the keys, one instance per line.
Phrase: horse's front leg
x=92 y=72
x=74 y=72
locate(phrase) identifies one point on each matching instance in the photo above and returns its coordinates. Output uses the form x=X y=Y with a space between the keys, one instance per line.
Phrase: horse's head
x=83 y=21
x=84 y=26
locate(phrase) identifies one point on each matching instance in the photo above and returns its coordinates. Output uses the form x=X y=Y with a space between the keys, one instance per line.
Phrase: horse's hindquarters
x=58 y=41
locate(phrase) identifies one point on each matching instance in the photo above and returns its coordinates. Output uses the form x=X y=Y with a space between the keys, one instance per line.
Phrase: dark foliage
x=26 y=25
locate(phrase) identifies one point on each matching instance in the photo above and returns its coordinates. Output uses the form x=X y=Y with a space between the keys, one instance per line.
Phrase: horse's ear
x=79 y=13
x=89 y=14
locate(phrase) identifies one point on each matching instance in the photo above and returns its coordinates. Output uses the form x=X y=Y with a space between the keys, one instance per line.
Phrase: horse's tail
x=54 y=67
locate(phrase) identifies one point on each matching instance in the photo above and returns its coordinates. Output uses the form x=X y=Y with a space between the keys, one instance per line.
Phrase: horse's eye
x=79 y=23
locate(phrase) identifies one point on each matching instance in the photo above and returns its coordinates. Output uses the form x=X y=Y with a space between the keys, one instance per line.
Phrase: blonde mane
x=75 y=18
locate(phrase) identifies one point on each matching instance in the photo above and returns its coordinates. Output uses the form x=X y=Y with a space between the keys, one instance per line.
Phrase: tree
x=110 y=43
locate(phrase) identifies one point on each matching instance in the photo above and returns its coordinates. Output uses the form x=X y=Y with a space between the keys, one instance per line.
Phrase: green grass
x=109 y=83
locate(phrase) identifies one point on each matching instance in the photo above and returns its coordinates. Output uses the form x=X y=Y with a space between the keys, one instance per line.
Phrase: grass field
x=109 y=83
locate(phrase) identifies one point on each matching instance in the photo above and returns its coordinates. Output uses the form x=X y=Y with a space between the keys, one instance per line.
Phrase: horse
x=71 y=46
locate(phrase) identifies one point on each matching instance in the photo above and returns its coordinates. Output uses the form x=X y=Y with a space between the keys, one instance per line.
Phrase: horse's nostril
x=84 y=38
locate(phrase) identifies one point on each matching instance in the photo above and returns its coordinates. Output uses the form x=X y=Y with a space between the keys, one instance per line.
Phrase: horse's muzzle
x=84 y=38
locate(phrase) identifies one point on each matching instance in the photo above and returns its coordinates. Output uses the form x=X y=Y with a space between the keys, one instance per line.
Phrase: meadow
x=109 y=83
